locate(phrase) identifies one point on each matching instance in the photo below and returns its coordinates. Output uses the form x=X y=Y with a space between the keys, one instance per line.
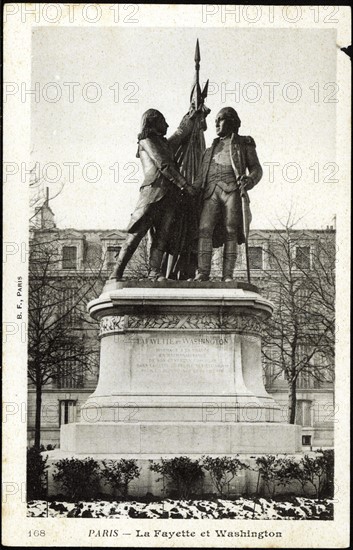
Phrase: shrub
x=119 y=473
x=222 y=470
x=274 y=471
x=78 y=478
x=328 y=463
x=181 y=473
x=36 y=474
x=317 y=471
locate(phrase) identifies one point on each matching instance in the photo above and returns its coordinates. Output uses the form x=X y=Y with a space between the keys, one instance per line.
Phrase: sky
x=95 y=83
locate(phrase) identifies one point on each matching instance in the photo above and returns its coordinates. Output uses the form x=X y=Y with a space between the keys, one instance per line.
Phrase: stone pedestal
x=180 y=373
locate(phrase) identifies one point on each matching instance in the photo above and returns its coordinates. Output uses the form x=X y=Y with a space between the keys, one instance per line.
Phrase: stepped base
x=180 y=438
x=180 y=374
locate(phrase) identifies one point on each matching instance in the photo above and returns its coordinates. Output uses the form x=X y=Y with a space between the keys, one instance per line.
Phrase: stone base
x=180 y=374
x=180 y=438
x=224 y=408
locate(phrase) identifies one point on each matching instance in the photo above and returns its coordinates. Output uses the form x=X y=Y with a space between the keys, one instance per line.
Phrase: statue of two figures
x=191 y=199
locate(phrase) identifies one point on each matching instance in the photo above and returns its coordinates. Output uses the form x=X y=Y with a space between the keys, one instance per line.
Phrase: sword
x=246 y=227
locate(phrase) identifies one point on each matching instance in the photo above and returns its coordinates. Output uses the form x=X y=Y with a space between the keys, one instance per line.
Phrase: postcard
x=176 y=275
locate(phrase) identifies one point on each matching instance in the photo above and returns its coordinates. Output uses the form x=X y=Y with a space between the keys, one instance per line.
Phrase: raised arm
x=182 y=132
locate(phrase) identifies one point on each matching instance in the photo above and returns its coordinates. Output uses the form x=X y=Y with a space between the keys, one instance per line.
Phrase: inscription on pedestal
x=185 y=352
x=189 y=364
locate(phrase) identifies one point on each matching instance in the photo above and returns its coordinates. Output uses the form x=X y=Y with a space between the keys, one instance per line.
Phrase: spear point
x=197 y=52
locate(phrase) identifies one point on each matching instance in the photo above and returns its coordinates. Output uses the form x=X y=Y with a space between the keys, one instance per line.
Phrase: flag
x=183 y=263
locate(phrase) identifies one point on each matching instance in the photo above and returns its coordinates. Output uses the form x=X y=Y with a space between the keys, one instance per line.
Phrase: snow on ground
x=242 y=508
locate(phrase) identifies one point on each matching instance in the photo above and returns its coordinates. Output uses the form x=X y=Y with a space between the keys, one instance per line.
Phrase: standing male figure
x=160 y=190
x=230 y=167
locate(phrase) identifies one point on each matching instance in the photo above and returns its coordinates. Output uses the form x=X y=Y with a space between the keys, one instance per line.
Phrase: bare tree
x=299 y=338
x=319 y=278
x=57 y=346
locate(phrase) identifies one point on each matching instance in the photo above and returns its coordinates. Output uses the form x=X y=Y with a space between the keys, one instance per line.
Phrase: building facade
x=79 y=265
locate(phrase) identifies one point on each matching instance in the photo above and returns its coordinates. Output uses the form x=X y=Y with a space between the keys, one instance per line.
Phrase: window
x=69 y=257
x=69 y=373
x=305 y=381
x=302 y=257
x=68 y=307
x=269 y=369
x=305 y=306
x=255 y=257
x=303 y=415
x=112 y=252
x=324 y=368
x=306 y=440
x=309 y=376
x=67 y=411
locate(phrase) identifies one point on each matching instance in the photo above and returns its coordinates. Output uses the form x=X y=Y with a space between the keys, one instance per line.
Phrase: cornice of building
x=122 y=232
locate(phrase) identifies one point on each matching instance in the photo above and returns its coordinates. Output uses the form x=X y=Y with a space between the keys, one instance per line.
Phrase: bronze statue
x=229 y=169
x=160 y=191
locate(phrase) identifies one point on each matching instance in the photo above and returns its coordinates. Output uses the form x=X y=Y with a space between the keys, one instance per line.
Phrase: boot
x=204 y=259
x=229 y=258
x=125 y=254
x=155 y=272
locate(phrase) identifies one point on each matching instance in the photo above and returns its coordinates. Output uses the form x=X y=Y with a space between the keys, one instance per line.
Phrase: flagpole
x=197 y=77
x=188 y=157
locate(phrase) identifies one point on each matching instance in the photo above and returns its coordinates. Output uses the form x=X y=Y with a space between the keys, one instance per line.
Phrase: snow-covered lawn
x=241 y=508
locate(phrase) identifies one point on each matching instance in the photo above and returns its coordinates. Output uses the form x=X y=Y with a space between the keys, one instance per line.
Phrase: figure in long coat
x=160 y=191
x=229 y=169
